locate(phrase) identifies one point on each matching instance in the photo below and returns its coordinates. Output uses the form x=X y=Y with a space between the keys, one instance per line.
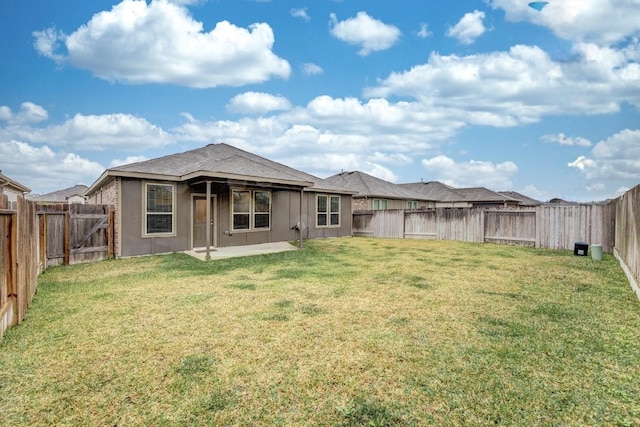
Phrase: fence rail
x=551 y=227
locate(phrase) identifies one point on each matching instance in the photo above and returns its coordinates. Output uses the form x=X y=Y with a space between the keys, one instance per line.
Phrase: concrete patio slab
x=239 y=251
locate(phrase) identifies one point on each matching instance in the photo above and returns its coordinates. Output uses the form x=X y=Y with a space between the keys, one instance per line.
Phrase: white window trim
x=252 y=211
x=145 y=213
x=328 y=213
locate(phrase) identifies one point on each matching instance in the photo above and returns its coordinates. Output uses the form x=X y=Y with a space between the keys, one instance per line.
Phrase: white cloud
x=127 y=160
x=518 y=86
x=615 y=158
x=469 y=28
x=257 y=103
x=300 y=13
x=29 y=113
x=160 y=42
x=370 y=34
x=311 y=69
x=424 y=31
x=44 y=170
x=94 y=132
x=562 y=139
x=604 y=22
x=473 y=173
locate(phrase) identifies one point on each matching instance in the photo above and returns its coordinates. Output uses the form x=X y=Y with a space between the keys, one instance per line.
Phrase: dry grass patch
x=345 y=332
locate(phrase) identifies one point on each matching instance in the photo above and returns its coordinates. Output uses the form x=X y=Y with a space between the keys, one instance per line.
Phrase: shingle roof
x=435 y=190
x=370 y=186
x=445 y=193
x=524 y=200
x=60 y=195
x=221 y=161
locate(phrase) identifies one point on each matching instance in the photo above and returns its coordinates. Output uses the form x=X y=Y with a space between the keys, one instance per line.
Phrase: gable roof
x=60 y=195
x=5 y=181
x=370 y=186
x=220 y=161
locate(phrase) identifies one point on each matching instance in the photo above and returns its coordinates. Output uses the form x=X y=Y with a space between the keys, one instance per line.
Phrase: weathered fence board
x=551 y=227
x=19 y=261
x=77 y=233
x=627 y=232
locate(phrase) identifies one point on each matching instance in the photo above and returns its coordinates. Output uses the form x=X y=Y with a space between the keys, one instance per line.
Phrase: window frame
x=411 y=204
x=146 y=213
x=329 y=213
x=252 y=213
x=375 y=204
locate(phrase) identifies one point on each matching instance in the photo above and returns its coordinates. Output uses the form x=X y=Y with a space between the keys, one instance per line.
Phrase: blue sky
x=471 y=93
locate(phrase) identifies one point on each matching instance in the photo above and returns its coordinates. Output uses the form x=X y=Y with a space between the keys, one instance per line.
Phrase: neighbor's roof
x=524 y=200
x=445 y=193
x=15 y=185
x=370 y=186
x=435 y=190
x=217 y=161
x=60 y=195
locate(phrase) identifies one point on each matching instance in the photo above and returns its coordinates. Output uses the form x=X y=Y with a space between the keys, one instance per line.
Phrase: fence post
x=67 y=237
x=42 y=222
x=111 y=234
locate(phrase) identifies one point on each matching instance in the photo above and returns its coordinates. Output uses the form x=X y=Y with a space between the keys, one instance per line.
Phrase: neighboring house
x=217 y=196
x=524 y=200
x=377 y=194
x=451 y=197
x=69 y=195
x=12 y=189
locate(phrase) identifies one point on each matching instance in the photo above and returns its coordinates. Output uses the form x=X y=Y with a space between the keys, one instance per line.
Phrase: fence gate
x=76 y=233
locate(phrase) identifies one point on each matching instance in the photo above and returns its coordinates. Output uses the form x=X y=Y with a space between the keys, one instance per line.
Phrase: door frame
x=214 y=217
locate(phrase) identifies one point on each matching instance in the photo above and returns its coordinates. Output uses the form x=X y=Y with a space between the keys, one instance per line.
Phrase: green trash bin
x=596 y=252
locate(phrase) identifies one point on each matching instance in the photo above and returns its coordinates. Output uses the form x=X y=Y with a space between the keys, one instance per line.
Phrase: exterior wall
x=360 y=204
x=132 y=241
x=314 y=232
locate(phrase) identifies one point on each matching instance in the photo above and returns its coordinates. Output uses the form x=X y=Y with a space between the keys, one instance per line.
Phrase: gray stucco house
x=217 y=196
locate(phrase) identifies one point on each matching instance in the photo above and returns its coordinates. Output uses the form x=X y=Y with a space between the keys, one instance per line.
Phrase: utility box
x=581 y=249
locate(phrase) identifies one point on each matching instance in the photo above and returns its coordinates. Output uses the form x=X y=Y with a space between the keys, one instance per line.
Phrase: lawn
x=346 y=332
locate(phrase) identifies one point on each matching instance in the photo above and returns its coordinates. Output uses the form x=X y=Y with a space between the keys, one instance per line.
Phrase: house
x=447 y=196
x=377 y=194
x=217 y=196
x=11 y=189
x=69 y=195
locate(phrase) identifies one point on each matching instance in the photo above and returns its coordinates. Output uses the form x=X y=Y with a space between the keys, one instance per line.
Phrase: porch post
x=300 y=223
x=208 y=221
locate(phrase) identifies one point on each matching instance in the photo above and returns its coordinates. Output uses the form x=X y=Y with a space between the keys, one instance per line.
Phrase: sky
x=488 y=93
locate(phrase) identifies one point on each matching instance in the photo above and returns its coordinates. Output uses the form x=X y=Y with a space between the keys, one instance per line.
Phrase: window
x=327 y=211
x=379 y=204
x=159 y=209
x=251 y=210
x=411 y=204
x=262 y=208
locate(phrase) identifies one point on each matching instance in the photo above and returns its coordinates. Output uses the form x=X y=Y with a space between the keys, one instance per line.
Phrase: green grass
x=346 y=332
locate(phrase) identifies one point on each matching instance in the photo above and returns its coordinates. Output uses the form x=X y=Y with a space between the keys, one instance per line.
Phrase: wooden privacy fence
x=627 y=234
x=19 y=261
x=551 y=227
x=34 y=237
x=76 y=233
